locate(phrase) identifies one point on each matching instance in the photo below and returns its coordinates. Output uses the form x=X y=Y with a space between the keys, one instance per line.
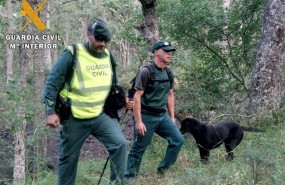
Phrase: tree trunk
x=19 y=135
x=9 y=52
x=19 y=155
x=19 y=170
x=266 y=83
x=19 y=167
x=42 y=58
x=56 y=28
x=126 y=55
x=25 y=60
x=150 y=25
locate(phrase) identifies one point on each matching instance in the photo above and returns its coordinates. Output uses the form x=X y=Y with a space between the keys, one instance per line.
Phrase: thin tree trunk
x=9 y=52
x=56 y=28
x=19 y=169
x=25 y=62
x=19 y=136
x=224 y=42
x=19 y=155
x=123 y=54
x=42 y=58
x=266 y=86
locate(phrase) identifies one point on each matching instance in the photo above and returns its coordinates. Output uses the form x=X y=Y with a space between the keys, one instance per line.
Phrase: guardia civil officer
x=154 y=112
x=86 y=94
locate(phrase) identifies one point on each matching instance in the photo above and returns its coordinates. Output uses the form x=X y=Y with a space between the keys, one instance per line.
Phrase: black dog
x=212 y=136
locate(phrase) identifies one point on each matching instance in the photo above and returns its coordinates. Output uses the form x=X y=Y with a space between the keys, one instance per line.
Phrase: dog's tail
x=252 y=129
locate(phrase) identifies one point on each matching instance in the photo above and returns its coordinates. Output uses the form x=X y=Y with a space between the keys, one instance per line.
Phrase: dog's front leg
x=204 y=154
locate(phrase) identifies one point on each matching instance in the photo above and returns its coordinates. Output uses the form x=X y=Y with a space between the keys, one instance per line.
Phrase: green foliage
x=219 y=43
x=44 y=178
x=2 y=3
x=15 y=110
x=125 y=16
x=5 y=137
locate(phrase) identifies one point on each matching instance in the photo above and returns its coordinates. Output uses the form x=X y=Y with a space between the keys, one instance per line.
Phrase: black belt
x=153 y=110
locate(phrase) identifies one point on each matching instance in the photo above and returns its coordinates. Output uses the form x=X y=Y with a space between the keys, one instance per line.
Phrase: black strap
x=114 y=65
x=152 y=109
x=151 y=69
x=151 y=80
x=169 y=75
x=71 y=67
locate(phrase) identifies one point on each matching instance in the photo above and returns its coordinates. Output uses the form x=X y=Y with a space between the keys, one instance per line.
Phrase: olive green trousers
x=163 y=126
x=73 y=135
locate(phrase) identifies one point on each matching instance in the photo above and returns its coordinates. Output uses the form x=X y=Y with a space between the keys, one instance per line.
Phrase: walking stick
x=105 y=165
x=107 y=160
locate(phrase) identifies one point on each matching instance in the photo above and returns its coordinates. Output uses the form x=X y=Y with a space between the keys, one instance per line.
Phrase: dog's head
x=184 y=126
x=190 y=125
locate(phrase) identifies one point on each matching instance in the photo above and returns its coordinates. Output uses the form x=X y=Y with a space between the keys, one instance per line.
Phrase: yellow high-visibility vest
x=90 y=84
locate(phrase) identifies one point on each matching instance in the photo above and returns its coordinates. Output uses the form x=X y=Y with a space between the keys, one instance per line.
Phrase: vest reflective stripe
x=86 y=104
x=80 y=76
x=90 y=84
x=89 y=90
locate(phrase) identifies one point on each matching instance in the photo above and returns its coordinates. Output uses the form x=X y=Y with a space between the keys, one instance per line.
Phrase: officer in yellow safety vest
x=85 y=93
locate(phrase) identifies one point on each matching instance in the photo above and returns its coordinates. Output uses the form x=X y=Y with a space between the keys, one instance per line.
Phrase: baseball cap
x=166 y=46
x=100 y=29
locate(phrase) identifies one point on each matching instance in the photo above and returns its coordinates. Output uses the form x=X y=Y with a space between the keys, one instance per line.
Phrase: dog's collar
x=199 y=145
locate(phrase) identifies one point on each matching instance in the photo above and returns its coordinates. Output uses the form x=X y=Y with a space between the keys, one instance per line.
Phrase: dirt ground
x=92 y=148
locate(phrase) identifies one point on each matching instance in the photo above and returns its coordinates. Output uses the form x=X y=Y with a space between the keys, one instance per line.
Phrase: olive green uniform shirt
x=156 y=94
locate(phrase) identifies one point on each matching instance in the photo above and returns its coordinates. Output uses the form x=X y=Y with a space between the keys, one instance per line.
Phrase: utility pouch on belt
x=62 y=108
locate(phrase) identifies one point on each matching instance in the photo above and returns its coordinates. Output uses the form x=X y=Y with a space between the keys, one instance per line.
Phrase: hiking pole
x=107 y=160
x=105 y=165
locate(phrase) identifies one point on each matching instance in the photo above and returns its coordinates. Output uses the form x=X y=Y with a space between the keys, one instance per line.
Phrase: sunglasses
x=101 y=39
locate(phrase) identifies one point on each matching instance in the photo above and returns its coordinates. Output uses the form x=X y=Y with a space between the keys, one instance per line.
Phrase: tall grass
x=259 y=160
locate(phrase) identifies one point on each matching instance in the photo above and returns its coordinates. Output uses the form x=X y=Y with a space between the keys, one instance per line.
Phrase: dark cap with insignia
x=100 y=29
x=161 y=44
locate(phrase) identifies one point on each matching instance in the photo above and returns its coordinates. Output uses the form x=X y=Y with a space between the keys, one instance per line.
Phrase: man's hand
x=129 y=104
x=140 y=127
x=173 y=119
x=53 y=120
